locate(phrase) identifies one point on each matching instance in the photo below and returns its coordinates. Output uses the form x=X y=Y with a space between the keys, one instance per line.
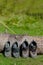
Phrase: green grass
x=21 y=61
x=20 y=6
x=22 y=24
